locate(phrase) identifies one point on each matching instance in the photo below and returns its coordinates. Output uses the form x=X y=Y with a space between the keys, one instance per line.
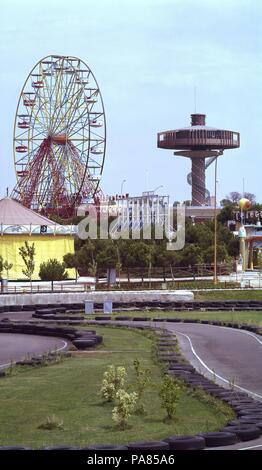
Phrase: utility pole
x=215 y=226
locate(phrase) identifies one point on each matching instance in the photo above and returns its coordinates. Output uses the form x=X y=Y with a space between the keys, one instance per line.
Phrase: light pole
x=158 y=187
x=215 y=226
x=122 y=184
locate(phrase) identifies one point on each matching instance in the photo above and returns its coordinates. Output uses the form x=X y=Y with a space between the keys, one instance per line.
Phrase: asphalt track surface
x=233 y=356
x=230 y=357
x=14 y=347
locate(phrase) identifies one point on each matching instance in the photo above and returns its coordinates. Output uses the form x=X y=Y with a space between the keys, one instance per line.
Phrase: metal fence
x=128 y=278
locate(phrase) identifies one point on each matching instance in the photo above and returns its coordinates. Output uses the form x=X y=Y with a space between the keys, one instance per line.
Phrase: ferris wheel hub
x=59 y=139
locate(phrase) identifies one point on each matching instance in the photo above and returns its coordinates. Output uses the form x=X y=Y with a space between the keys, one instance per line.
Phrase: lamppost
x=158 y=187
x=215 y=226
x=122 y=184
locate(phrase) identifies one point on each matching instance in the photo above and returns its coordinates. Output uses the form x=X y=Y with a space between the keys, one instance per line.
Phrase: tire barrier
x=61 y=447
x=84 y=343
x=244 y=432
x=14 y=448
x=148 y=445
x=217 y=439
x=57 y=317
x=186 y=442
x=80 y=339
x=104 y=447
x=218 y=305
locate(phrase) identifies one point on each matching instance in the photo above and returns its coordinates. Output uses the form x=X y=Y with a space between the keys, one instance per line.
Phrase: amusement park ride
x=59 y=137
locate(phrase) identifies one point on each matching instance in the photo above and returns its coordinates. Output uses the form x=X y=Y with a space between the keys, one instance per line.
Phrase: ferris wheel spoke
x=38 y=136
x=68 y=92
x=43 y=107
x=73 y=106
x=36 y=118
x=77 y=131
x=57 y=89
x=38 y=98
x=75 y=120
x=57 y=109
x=69 y=97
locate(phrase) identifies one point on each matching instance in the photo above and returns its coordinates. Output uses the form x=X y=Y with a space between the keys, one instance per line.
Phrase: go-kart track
x=230 y=357
x=14 y=347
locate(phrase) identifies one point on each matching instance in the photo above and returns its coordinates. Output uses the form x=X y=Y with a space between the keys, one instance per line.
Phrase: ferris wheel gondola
x=59 y=127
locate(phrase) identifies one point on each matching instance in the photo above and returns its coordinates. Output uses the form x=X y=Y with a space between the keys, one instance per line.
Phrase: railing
x=42 y=288
x=130 y=278
x=170 y=272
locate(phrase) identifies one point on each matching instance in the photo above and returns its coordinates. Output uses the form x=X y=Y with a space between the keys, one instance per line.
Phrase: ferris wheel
x=59 y=136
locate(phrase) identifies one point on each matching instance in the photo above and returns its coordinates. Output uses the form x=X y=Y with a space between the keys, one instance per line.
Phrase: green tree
x=118 y=264
x=227 y=213
x=164 y=257
x=7 y=266
x=233 y=247
x=169 y=394
x=225 y=202
x=259 y=262
x=27 y=254
x=106 y=254
x=1 y=266
x=191 y=255
x=135 y=253
x=83 y=260
x=143 y=380
x=52 y=271
x=71 y=261
x=222 y=254
x=124 y=407
x=114 y=378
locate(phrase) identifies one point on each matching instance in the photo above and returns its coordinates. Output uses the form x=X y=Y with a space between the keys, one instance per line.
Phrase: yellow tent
x=19 y=224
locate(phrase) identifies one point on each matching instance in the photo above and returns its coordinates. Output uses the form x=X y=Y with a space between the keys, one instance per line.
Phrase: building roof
x=13 y=213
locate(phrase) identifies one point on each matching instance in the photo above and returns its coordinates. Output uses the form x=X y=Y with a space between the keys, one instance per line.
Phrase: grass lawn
x=70 y=391
x=249 y=294
x=251 y=317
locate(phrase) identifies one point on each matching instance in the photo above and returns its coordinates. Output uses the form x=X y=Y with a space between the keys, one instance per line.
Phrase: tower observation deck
x=202 y=144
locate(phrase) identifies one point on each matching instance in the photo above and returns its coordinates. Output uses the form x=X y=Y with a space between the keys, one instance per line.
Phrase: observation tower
x=202 y=144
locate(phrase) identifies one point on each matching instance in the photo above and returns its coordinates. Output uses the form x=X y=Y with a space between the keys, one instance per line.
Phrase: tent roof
x=13 y=213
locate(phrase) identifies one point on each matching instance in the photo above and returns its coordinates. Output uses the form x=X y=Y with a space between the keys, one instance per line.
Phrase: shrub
x=52 y=271
x=169 y=394
x=52 y=422
x=124 y=407
x=143 y=380
x=114 y=379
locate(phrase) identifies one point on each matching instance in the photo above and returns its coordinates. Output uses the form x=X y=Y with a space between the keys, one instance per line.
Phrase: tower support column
x=198 y=182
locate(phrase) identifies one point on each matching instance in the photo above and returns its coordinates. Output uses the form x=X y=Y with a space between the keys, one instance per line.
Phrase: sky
x=148 y=57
